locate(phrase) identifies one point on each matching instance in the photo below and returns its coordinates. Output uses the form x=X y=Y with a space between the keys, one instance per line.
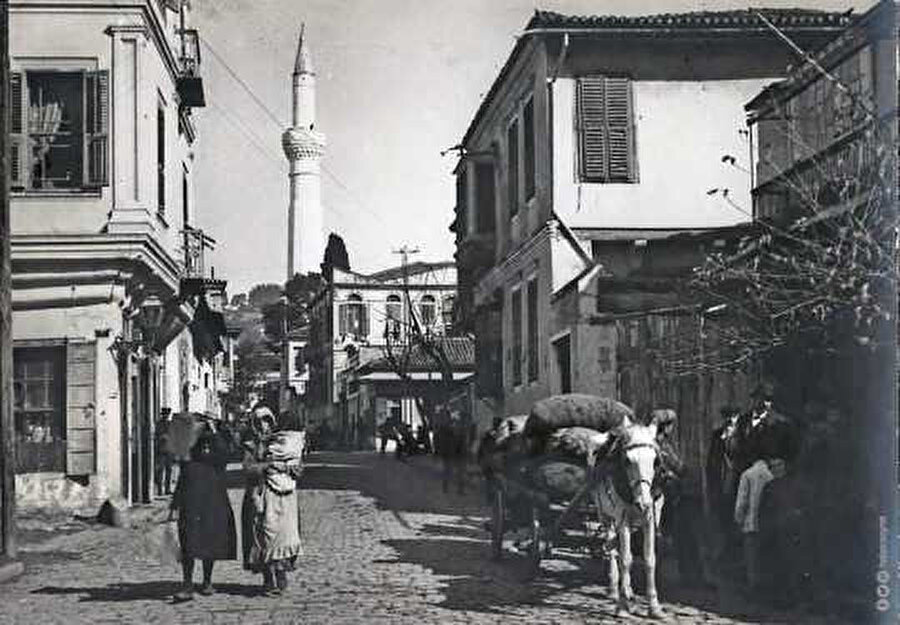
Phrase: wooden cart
x=552 y=521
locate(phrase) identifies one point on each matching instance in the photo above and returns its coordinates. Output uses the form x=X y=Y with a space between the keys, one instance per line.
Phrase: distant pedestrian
x=164 y=459
x=206 y=527
x=451 y=445
x=270 y=520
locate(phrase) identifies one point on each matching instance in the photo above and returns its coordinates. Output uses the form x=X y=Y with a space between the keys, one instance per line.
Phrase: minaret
x=304 y=147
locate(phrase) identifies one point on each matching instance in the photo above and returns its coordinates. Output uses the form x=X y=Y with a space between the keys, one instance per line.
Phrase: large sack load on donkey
x=578 y=444
x=575 y=409
x=558 y=477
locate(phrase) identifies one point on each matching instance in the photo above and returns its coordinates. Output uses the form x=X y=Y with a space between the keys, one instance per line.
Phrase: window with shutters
x=428 y=310
x=532 y=304
x=393 y=324
x=161 y=158
x=484 y=190
x=528 y=139
x=517 y=336
x=59 y=130
x=353 y=317
x=39 y=399
x=512 y=166
x=605 y=121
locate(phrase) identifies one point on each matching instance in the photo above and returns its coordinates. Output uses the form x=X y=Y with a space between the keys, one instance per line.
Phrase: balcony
x=189 y=82
x=193 y=277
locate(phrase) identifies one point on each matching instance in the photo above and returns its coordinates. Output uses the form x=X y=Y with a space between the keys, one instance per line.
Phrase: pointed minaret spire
x=304 y=147
x=303 y=63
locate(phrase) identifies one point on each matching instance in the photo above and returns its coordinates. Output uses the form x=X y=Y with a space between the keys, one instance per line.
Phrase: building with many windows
x=352 y=321
x=599 y=134
x=114 y=316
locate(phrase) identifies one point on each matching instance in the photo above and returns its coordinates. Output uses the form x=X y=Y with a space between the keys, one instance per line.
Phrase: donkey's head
x=639 y=452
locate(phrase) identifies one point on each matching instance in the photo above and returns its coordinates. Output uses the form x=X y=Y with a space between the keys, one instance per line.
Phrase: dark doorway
x=562 y=349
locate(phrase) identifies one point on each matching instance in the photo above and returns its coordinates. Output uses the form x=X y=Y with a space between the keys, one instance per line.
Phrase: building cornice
x=38 y=251
x=151 y=27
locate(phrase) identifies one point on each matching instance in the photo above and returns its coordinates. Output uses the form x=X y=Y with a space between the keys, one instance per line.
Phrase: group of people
x=270 y=524
x=747 y=452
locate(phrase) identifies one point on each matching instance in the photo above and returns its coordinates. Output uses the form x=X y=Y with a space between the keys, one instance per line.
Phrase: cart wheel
x=498 y=518
x=534 y=550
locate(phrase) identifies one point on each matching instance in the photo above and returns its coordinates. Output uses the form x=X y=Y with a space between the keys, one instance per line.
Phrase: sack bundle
x=575 y=409
x=578 y=444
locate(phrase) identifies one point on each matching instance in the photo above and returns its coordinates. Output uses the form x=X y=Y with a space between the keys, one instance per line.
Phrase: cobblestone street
x=383 y=545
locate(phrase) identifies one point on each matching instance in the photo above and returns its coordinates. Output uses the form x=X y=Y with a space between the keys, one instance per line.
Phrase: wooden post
x=7 y=429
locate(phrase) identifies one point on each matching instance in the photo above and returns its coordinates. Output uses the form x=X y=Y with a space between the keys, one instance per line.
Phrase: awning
x=386 y=376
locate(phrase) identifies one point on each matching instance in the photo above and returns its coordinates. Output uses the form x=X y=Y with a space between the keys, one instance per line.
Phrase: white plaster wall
x=682 y=131
x=138 y=77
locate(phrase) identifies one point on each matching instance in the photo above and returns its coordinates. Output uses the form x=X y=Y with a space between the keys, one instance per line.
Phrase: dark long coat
x=206 y=527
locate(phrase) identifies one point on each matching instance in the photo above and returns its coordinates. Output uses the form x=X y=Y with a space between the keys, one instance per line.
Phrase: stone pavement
x=382 y=543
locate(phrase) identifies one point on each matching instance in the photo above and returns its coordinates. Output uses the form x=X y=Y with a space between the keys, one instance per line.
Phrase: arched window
x=427 y=309
x=394 y=308
x=448 y=310
x=353 y=317
x=394 y=316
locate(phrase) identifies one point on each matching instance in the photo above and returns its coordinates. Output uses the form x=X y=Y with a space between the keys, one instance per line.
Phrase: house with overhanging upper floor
x=599 y=134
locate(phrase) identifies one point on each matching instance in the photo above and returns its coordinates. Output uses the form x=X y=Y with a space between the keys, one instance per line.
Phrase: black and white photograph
x=449 y=312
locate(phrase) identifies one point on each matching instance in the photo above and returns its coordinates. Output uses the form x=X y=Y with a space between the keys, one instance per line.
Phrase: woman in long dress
x=269 y=515
x=206 y=528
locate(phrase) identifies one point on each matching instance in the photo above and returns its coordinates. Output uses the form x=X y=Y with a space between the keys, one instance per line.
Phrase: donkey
x=625 y=496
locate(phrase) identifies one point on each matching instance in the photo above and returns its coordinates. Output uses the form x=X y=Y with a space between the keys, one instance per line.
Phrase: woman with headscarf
x=206 y=528
x=269 y=515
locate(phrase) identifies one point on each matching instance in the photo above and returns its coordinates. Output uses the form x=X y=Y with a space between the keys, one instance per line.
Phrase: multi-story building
x=599 y=134
x=107 y=261
x=351 y=321
x=814 y=128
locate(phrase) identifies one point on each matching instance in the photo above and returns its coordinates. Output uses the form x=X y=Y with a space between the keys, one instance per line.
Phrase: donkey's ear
x=654 y=430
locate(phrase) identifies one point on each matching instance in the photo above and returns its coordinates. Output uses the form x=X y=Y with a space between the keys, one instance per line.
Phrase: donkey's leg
x=655 y=611
x=612 y=556
x=625 y=559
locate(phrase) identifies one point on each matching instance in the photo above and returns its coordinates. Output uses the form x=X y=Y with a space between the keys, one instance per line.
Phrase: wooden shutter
x=605 y=128
x=81 y=363
x=18 y=155
x=96 y=128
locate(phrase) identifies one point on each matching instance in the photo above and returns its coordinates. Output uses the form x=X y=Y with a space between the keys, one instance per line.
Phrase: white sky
x=398 y=81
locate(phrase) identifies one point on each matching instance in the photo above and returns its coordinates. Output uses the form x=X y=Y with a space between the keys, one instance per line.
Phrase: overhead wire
x=281 y=125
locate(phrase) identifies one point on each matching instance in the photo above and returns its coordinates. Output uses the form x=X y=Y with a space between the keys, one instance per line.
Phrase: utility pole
x=8 y=566
x=283 y=397
x=407 y=312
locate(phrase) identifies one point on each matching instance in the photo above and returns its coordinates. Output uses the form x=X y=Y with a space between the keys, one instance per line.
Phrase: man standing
x=746 y=509
x=450 y=445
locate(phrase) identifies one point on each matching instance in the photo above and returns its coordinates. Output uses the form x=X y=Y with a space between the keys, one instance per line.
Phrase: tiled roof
x=460 y=351
x=412 y=269
x=783 y=18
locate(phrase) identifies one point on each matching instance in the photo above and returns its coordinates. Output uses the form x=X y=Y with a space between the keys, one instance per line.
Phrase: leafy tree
x=263 y=295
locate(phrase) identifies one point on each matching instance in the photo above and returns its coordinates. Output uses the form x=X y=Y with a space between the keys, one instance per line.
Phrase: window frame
x=516 y=325
x=532 y=329
x=512 y=166
x=605 y=130
x=95 y=94
x=529 y=141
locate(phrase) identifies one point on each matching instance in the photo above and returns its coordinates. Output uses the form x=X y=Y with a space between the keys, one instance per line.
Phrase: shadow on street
x=143 y=591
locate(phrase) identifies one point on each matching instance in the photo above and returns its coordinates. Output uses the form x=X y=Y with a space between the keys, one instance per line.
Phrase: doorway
x=563 y=351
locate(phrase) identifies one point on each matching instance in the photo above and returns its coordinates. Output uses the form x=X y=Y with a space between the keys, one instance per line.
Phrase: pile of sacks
x=554 y=446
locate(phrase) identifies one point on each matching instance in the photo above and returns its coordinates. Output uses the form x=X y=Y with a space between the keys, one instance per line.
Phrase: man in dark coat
x=763 y=425
x=206 y=527
x=450 y=445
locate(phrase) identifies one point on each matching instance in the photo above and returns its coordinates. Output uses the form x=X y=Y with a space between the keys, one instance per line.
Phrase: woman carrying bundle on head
x=269 y=515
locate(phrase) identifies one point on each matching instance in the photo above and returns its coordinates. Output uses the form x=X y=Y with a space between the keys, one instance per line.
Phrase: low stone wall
x=55 y=491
